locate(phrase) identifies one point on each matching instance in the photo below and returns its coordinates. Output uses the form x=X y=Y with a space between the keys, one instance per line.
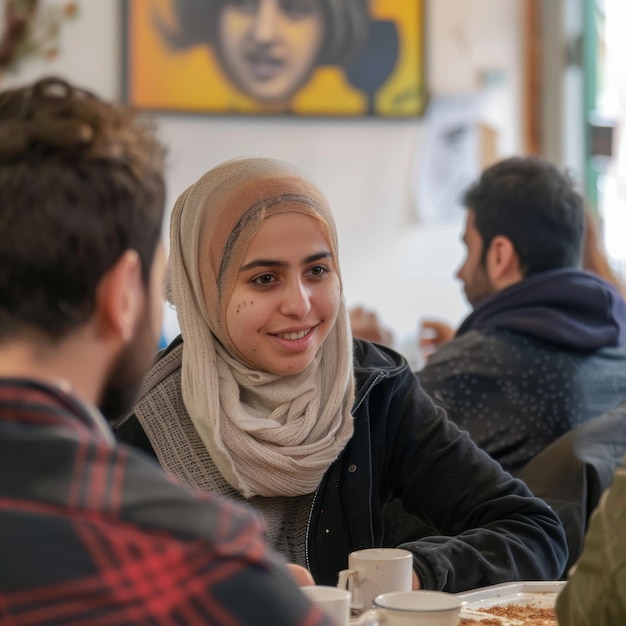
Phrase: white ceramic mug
x=333 y=601
x=374 y=571
x=413 y=608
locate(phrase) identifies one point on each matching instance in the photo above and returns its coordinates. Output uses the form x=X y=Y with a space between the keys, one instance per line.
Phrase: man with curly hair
x=91 y=531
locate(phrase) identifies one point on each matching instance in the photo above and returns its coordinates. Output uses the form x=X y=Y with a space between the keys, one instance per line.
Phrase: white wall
x=390 y=262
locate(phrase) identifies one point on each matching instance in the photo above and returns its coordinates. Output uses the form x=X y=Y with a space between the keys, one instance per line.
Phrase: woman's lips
x=264 y=67
x=295 y=334
x=295 y=341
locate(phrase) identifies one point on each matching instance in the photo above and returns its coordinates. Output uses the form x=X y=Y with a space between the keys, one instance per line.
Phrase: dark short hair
x=347 y=25
x=81 y=183
x=536 y=206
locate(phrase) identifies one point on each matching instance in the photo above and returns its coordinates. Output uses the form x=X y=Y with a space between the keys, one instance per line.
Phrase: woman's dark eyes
x=318 y=271
x=264 y=279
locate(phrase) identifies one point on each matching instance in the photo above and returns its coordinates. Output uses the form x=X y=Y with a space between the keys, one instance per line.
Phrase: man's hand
x=417 y=584
x=366 y=325
x=434 y=334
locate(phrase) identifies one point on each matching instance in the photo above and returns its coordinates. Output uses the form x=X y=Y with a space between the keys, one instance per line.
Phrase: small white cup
x=333 y=601
x=413 y=608
x=374 y=571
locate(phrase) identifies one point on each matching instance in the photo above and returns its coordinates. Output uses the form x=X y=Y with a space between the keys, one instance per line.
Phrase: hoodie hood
x=570 y=308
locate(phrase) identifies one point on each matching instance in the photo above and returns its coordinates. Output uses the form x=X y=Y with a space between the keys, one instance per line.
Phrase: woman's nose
x=296 y=301
x=266 y=21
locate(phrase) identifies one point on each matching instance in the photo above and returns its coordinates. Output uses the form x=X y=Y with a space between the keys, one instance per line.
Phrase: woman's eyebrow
x=262 y=263
x=316 y=257
x=275 y=263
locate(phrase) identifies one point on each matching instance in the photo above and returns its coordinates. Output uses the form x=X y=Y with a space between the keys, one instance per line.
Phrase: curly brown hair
x=81 y=182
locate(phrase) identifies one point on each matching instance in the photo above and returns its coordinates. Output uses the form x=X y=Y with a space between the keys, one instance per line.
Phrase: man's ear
x=503 y=262
x=120 y=298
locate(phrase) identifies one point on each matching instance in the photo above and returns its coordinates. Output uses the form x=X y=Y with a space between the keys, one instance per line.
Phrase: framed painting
x=285 y=57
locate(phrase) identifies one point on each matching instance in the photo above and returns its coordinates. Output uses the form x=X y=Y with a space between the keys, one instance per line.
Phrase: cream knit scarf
x=268 y=435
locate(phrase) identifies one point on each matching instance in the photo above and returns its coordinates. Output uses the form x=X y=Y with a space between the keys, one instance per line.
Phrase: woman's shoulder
x=167 y=361
x=165 y=368
x=372 y=359
x=177 y=342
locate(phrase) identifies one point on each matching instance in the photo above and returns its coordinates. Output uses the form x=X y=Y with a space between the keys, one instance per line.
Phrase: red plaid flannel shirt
x=92 y=532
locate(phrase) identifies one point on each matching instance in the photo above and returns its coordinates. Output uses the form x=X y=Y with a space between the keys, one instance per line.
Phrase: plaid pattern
x=94 y=533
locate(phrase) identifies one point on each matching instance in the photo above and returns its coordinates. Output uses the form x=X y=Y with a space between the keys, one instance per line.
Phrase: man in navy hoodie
x=543 y=350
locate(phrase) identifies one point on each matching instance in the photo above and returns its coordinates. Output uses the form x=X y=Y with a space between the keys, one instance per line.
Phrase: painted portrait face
x=269 y=48
x=473 y=273
x=286 y=296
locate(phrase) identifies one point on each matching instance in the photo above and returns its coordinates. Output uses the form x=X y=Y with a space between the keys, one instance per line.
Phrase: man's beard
x=481 y=288
x=127 y=373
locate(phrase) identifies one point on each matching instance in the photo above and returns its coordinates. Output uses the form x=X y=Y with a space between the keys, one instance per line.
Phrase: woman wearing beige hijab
x=266 y=398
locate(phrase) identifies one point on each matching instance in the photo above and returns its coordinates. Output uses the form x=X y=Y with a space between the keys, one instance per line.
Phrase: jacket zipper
x=376 y=380
x=307 y=561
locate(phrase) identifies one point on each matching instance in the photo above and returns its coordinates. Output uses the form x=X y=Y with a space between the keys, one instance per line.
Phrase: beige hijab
x=268 y=435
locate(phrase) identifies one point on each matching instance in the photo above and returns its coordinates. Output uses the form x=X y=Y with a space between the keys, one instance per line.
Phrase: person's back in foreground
x=543 y=349
x=572 y=474
x=595 y=592
x=266 y=398
x=93 y=532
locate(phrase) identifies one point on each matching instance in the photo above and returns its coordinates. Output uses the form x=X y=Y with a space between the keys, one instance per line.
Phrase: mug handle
x=349 y=579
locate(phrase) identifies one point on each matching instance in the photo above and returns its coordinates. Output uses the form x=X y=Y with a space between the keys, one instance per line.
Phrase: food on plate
x=510 y=615
x=483 y=622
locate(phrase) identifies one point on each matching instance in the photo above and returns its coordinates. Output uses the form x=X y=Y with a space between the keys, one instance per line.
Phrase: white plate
x=539 y=594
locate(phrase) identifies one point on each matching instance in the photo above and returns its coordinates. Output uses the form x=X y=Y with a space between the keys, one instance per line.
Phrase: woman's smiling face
x=286 y=296
x=270 y=47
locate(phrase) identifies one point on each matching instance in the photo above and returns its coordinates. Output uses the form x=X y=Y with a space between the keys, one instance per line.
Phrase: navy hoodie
x=570 y=308
x=532 y=362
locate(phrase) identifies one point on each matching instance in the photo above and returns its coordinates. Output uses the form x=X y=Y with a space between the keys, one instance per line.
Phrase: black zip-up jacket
x=490 y=529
